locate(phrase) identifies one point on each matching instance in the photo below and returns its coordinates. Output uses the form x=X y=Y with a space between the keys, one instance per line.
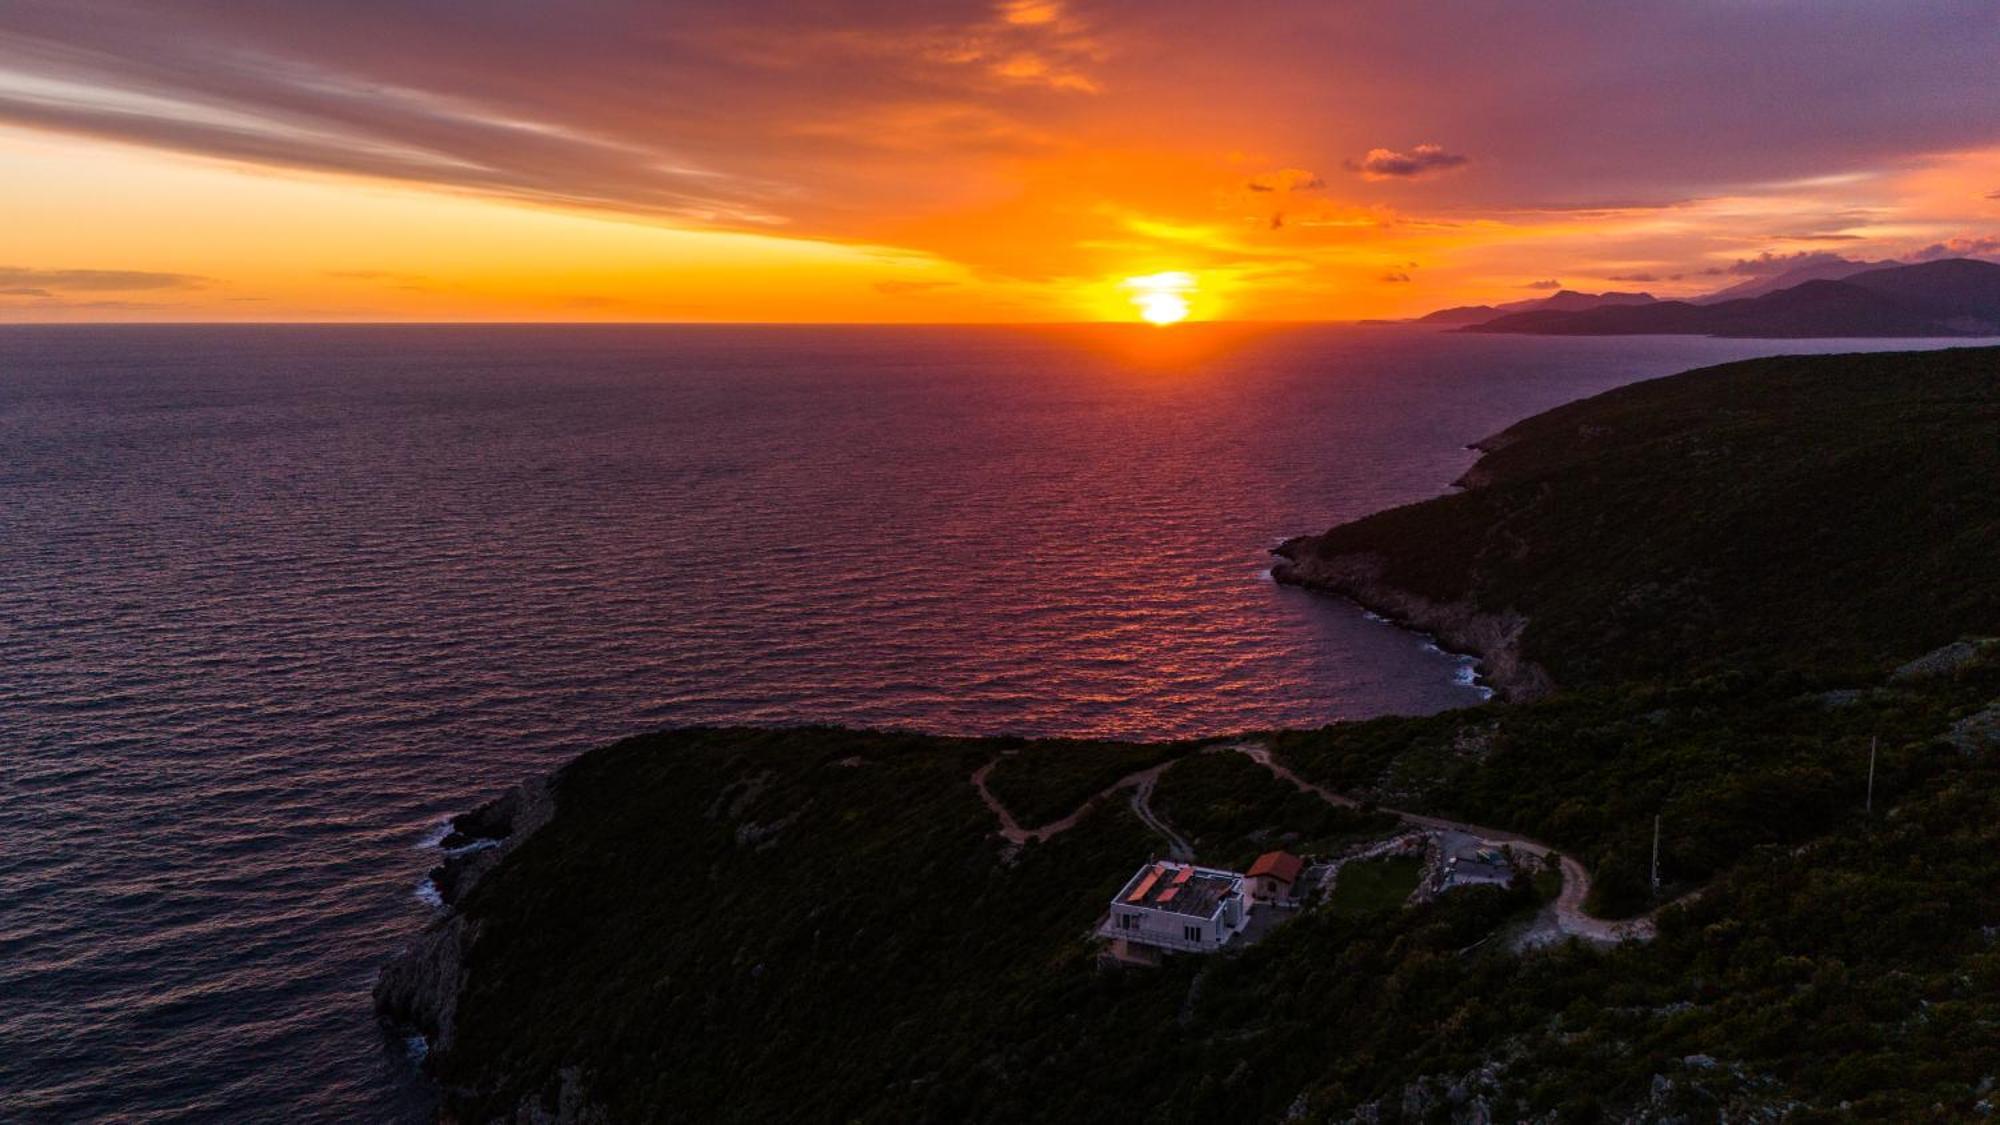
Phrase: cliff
x=419 y=989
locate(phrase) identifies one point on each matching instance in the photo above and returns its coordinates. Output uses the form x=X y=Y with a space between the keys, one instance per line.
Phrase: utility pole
x=1656 y=857
x=1868 y=808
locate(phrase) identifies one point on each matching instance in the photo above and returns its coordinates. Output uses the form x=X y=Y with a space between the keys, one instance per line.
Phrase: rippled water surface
x=275 y=601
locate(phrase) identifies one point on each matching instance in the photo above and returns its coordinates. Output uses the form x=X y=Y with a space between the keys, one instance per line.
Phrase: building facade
x=1274 y=878
x=1176 y=908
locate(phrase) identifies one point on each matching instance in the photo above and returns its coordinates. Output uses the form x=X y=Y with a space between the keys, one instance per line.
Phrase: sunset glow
x=997 y=163
x=1161 y=298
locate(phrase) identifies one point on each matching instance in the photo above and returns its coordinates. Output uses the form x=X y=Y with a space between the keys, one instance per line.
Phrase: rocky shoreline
x=1492 y=639
x=418 y=990
x=1458 y=627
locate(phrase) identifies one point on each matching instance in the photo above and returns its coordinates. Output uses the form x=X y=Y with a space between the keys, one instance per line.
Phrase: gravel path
x=1567 y=912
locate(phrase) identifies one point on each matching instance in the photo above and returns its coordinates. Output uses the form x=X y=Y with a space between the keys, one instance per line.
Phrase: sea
x=277 y=601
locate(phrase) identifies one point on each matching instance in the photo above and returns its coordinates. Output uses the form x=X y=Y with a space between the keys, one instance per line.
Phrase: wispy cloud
x=1423 y=160
x=1284 y=180
x=17 y=279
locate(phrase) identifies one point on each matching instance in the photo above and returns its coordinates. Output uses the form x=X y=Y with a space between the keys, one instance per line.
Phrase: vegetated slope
x=817 y=925
x=763 y=925
x=1955 y=297
x=1799 y=513
x=1233 y=810
x=1045 y=780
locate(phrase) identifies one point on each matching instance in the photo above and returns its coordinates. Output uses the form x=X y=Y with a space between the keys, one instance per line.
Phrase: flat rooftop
x=1178 y=888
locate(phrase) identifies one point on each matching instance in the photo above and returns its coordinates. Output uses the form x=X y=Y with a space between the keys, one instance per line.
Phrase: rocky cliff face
x=1494 y=638
x=419 y=989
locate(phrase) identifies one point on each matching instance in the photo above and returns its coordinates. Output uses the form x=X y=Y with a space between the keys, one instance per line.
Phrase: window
x=1192 y=933
x=1128 y=921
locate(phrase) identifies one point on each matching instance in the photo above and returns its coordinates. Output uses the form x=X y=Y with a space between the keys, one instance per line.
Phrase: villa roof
x=1178 y=888
x=1282 y=866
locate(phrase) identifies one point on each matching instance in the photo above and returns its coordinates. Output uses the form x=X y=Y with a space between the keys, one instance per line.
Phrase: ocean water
x=276 y=601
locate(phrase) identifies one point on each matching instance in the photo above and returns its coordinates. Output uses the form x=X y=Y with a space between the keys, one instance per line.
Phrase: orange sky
x=180 y=160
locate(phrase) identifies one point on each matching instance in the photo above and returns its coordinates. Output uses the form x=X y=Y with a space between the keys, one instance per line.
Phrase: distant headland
x=1949 y=297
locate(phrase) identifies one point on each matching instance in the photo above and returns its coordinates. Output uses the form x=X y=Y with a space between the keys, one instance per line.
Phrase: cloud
x=1768 y=264
x=1962 y=247
x=1547 y=283
x=25 y=291
x=1643 y=278
x=374 y=275
x=95 y=281
x=1993 y=195
x=1423 y=160
x=1285 y=179
x=973 y=130
x=1395 y=276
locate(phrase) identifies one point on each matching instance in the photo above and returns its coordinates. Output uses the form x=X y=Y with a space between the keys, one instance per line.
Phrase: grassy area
x=1375 y=886
x=1044 y=781
x=1231 y=809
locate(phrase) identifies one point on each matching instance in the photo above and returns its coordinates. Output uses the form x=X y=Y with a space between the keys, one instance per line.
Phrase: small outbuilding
x=1274 y=877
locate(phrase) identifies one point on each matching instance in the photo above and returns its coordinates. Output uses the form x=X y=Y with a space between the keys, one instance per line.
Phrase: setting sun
x=1161 y=297
x=1162 y=308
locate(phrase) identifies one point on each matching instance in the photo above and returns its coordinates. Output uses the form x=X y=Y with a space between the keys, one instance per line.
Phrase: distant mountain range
x=1825 y=268
x=1567 y=300
x=1952 y=297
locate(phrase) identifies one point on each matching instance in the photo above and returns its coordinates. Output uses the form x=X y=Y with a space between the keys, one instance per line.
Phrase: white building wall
x=1167 y=929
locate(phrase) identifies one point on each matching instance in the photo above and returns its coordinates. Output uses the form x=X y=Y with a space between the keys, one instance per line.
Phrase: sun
x=1162 y=308
x=1161 y=298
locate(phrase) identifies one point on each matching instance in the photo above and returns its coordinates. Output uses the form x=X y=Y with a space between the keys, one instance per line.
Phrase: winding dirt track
x=1141 y=782
x=1566 y=914
x=1569 y=915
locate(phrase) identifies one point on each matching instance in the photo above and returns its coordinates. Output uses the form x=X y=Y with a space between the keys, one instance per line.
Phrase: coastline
x=417 y=991
x=1460 y=628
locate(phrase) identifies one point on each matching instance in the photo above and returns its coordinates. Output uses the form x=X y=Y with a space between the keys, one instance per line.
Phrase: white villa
x=1178 y=908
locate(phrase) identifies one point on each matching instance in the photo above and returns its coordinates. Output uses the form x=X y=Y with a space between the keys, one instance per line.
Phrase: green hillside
x=1796 y=514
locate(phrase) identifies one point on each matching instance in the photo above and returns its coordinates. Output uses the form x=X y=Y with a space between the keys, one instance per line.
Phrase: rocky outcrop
x=1493 y=638
x=419 y=988
x=570 y=1104
x=1946 y=662
x=1978 y=731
